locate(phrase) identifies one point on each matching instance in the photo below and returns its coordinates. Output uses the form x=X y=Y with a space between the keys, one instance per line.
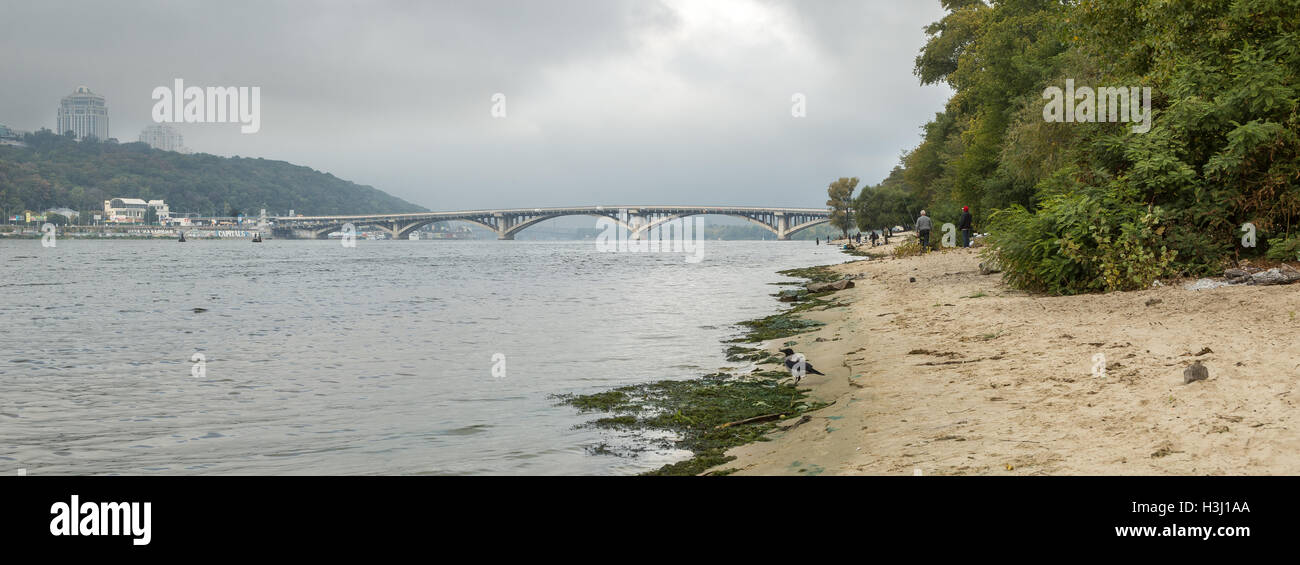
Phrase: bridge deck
x=506 y=222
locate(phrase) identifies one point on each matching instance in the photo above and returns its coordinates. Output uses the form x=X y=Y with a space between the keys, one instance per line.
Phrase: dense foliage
x=890 y=203
x=1079 y=207
x=56 y=171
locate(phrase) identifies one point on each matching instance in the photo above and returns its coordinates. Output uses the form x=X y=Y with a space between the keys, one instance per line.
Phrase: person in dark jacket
x=965 y=226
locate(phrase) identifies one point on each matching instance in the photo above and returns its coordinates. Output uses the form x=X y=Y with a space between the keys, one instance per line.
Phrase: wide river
x=390 y=357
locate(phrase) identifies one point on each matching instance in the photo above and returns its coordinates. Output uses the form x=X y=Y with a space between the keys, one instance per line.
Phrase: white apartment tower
x=164 y=137
x=83 y=112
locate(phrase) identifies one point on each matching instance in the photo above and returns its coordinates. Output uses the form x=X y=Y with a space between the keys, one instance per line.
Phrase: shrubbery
x=1085 y=207
x=1080 y=243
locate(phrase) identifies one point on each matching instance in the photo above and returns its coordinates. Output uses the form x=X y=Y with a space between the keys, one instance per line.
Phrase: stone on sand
x=1196 y=372
x=834 y=285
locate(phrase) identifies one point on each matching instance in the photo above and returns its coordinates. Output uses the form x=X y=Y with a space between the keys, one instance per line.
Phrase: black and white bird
x=798 y=365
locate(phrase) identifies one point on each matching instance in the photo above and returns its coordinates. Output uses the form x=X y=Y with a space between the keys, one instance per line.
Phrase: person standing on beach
x=965 y=226
x=923 y=227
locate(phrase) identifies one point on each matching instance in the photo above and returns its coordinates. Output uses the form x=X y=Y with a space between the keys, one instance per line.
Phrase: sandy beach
x=957 y=374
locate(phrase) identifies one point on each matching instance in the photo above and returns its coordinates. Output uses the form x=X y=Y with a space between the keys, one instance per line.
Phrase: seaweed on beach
x=778 y=326
x=864 y=252
x=819 y=273
x=751 y=354
x=695 y=412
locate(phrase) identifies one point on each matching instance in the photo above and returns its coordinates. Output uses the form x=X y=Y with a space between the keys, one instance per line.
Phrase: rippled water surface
x=378 y=359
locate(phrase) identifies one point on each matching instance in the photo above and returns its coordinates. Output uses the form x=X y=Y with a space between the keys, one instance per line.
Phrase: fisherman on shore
x=923 y=227
x=965 y=226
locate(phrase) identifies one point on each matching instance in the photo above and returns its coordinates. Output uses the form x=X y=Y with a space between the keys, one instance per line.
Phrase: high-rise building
x=84 y=113
x=164 y=137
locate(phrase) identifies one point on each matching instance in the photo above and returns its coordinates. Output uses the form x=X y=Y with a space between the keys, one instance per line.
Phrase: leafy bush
x=1079 y=243
x=1284 y=249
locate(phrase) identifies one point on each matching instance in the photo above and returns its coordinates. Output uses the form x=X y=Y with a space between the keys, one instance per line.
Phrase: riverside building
x=133 y=210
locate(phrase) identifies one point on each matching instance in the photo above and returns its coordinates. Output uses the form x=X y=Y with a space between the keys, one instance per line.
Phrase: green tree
x=841 y=203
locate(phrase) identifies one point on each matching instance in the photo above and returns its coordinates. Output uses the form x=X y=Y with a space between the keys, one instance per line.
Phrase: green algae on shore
x=709 y=415
x=819 y=273
x=776 y=326
x=786 y=324
x=751 y=354
x=697 y=412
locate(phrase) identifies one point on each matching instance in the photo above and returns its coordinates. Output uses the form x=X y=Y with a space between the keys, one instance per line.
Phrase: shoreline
x=958 y=374
x=732 y=406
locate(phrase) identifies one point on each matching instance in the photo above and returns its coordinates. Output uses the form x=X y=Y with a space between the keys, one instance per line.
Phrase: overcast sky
x=607 y=102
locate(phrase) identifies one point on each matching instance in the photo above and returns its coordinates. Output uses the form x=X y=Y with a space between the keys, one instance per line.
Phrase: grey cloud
x=609 y=101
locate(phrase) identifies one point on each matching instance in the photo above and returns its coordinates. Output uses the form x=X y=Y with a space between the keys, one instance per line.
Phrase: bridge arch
x=503 y=231
x=773 y=226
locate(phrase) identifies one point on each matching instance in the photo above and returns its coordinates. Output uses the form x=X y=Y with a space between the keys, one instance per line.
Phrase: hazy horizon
x=612 y=102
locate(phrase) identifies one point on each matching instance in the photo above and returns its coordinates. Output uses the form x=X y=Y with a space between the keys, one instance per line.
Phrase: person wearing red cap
x=965 y=226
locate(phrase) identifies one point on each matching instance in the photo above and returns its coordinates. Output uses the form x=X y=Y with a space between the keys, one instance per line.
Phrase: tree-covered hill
x=56 y=171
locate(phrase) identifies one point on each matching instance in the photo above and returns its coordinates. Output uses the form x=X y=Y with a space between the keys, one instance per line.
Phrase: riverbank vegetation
x=1090 y=206
x=706 y=416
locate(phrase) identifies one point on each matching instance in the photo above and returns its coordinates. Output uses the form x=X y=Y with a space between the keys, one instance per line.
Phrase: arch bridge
x=783 y=222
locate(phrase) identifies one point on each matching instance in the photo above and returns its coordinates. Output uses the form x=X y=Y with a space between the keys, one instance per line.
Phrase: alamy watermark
x=1099 y=365
x=199 y=369
x=219 y=104
x=349 y=238
x=633 y=234
x=1102 y=104
x=498 y=365
x=76 y=518
x=498 y=105
x=798 y=105
x=49 y=235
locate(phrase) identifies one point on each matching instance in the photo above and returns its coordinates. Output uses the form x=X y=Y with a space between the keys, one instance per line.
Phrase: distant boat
x=257 y=238
x=182 y=239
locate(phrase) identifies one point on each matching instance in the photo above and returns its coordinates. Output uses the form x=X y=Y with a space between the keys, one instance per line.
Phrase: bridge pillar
x=504 y=224
x=782 y=227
